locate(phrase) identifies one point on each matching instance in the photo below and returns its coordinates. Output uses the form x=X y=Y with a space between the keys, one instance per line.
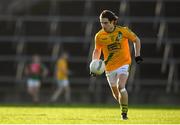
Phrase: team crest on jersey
x=119 y=37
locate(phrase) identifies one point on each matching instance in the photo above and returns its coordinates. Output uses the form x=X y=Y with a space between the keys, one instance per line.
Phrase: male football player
x=35 y=71
x=112 y=41
x=61 y=74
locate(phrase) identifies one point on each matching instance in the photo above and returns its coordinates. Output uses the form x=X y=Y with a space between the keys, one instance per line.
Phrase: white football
x=97 y=66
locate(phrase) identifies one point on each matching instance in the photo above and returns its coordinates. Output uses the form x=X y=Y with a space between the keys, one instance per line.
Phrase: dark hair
x=109 y=15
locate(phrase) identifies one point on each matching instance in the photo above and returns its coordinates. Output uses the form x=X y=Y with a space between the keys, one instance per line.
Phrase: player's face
x=107 y=25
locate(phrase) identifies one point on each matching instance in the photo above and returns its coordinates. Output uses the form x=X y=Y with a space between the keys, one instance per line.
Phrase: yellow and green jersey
x=115 y=46
x=62 y=69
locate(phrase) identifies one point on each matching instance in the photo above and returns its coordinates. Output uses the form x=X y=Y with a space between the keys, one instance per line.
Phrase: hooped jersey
x=115 y=46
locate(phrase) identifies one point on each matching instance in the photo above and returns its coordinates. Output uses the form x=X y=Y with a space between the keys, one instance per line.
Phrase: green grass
x=87 y=114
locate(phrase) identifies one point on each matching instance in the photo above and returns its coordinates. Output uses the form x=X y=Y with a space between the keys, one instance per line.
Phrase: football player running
x=112 y=41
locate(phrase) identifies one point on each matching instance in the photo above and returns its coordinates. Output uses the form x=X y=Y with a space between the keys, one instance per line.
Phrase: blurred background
x=49 y=27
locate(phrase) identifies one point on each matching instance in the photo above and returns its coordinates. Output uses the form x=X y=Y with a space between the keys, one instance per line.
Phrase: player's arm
x=97 y=49
x=137 y=48
x=45 y=70
x=96 y=53
x=137 y=44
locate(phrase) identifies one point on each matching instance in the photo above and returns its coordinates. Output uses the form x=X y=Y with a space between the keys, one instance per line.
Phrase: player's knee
x=123 y=90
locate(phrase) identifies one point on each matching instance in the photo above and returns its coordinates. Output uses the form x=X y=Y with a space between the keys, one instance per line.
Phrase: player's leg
x=124 y=95
x=36 y=89
x=57 y=92
x=36 y=93
x=67 y=91
x=112 y=80
x=33 y=92
x=122 y=79
x=67 y=94
x=115 y=93
x=31 y=88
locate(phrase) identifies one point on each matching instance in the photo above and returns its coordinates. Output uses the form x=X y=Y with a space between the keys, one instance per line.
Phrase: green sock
x=124 y=108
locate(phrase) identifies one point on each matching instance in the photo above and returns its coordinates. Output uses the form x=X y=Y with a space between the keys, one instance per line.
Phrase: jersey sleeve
x=129 y=34
x=97 y=42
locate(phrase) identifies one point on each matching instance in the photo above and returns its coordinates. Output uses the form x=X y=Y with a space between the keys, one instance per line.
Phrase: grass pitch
x=87 y=114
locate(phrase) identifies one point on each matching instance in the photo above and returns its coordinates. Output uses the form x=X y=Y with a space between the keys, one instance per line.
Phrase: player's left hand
x=138 y=59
